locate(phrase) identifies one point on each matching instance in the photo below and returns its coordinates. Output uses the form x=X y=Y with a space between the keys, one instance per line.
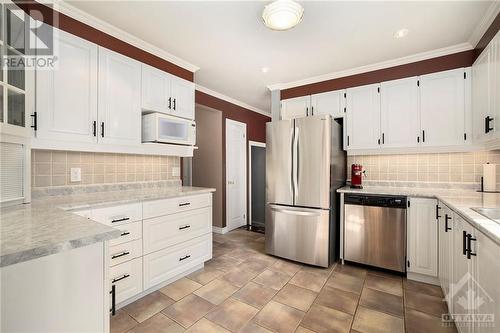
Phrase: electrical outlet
x=176 y=171
x=76 y=174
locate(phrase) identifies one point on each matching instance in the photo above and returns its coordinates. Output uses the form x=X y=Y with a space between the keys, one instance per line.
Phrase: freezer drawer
x=300 y=234
x=375 y=236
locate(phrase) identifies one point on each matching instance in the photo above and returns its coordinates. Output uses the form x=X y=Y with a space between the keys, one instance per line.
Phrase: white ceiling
x=229 y=43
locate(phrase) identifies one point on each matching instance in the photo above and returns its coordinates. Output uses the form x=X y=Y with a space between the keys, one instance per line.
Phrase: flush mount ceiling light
x=265 y=69
x=401 y=33
x=282 y=14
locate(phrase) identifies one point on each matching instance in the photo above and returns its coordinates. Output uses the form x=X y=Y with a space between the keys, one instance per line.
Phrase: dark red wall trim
x=451 y=61
x=487 y=37
x=256 y=122
x=82 y=30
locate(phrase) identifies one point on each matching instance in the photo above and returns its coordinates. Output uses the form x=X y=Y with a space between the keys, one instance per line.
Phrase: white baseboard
x=219 y=230
x=423 y=278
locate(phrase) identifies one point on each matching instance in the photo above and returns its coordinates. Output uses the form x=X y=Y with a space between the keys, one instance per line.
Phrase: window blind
x=11 y=171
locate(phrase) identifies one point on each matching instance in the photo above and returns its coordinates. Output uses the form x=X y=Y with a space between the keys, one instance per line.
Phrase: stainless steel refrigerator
x=305 y=165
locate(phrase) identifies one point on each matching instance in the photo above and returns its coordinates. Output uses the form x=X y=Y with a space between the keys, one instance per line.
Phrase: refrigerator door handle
x=295 y=163
x=292 y=211
x=292 y=136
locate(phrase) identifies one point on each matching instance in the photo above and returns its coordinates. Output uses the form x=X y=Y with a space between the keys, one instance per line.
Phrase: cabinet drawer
x=130 y=232
x=115 y=215
x=125 y=252
x=161 y=232
x=175 y=205
x=165 y=264
x=127 y=278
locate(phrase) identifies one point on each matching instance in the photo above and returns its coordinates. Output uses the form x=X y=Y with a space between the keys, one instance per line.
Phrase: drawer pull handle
x=113 y=300
x=120 y=255
x=120 y=278
x=184 y=204
x=120 y=220
x=185 y=257
x=184 y=227
x=125 y=233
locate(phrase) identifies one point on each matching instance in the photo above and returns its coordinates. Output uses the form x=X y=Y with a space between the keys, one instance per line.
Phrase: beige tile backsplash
x=438 y=167
x=52 y=168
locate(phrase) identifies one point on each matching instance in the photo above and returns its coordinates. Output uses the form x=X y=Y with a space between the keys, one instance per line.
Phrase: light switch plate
x=76 y=174
x=176 y=171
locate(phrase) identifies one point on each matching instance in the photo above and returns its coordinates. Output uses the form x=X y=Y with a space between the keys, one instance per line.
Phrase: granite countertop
x=459 y=200
x=47 y=226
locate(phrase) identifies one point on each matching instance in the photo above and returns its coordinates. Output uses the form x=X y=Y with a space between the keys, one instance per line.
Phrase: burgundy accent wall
x=82 y=30
x=451 y=61
x=256 y=131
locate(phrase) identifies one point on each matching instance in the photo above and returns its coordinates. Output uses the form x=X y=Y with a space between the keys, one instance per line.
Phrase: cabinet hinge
x=418 y=83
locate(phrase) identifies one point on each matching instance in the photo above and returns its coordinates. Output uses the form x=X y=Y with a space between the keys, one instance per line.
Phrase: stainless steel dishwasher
x=375 y=231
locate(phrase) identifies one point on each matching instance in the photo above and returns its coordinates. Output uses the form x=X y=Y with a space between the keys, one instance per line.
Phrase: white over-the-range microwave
x=159 y=127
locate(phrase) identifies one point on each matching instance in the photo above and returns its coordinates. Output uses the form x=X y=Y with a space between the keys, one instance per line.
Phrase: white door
x=119 y=99
x=236 y=174
x=66 y=98
x=487 y=272
x=442 y=108
x=155 y=90
x=182 y=94
x=422 y=237
x=363 y=117
x=295 y=107
x=399 y=113
x=332 y=103
x=445 y=236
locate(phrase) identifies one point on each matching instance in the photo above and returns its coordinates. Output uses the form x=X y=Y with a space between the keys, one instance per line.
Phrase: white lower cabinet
x=445 y=235
x=172 y=261
x=422 y=235
x=127 y=279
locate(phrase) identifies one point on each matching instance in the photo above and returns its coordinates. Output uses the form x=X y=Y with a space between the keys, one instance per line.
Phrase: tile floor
x=244 y=290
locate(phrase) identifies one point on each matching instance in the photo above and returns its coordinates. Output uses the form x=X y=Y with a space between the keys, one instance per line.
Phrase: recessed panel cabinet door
x=399 y=113
x=66 y=98
x=182 y=94
x=155 y=90
x=295 y=107
x=363 y=117
x=119 y=99
x=332 y=103
x=422 y=237
x=482 y=102
x=442 y=108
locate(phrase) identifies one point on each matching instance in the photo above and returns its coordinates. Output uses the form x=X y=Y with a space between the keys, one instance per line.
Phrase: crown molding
x=377 y=66
x=488 y=18
x=77 y=14
x=231 y=100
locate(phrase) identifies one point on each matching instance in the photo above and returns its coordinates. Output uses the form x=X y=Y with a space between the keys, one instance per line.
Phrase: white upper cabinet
x=182 y=94
x=119 y=102
x=155 y=90
x=400 y=123
x=66 y=97
x=162 y=92
x=295 y=107
x=363 y=117
x=486 y=92
x=422 y=237
x=332 y=103
x=442 y=108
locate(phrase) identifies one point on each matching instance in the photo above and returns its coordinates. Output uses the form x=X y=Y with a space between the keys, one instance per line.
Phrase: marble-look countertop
x=47 y=226
x=460 y=201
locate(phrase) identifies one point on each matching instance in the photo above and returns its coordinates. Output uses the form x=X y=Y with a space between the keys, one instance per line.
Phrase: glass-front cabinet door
x=16 y=79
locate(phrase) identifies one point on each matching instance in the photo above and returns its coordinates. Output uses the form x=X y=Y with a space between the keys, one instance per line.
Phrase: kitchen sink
x=491 y=213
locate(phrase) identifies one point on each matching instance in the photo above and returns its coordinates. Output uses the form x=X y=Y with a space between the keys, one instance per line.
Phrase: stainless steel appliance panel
x=312 y=149
x=279 y=171
x=375 y=236
x=299 y=234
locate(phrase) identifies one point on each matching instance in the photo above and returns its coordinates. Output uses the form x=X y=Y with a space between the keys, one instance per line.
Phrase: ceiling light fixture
x=401 y=33
x=282 y=14
x=265 y=69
